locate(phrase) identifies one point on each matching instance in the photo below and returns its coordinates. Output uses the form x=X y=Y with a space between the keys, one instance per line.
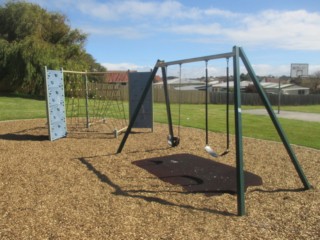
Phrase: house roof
x=224 y=84
x=116 y=77
x=288 y=86
x=157 y=79
x=189 y=87
x=270 y=80
x=295 y=87
x=183 y=81
x=122 y=77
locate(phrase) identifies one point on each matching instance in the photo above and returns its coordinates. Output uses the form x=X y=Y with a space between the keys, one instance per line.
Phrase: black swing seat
x=225 y=152
x=173 y=141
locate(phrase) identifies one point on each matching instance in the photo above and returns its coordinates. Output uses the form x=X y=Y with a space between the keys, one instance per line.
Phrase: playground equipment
x=175 y=140
x=236 y=54
x=207 y=147
x=81 y=102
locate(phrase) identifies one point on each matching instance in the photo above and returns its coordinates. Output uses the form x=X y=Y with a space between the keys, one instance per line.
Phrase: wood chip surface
x=78 y=188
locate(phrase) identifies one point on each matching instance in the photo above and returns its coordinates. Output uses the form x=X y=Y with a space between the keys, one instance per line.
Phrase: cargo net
x=92 y=105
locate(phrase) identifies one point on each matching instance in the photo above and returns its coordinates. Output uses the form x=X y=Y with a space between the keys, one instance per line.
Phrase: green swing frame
x=237 y=53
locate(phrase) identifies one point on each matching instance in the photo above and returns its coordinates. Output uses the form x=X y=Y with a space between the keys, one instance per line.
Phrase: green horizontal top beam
x=197 y=59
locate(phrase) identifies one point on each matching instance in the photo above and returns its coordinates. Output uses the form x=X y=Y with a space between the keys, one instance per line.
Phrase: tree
x=245 y=77
x=316 y=83
x=31 y=38
x=250 y=89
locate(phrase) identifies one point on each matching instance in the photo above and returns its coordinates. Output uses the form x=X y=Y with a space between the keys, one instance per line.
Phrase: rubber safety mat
x=197 y=174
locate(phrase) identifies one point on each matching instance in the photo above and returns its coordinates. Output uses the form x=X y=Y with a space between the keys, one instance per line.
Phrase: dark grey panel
x=137 y=83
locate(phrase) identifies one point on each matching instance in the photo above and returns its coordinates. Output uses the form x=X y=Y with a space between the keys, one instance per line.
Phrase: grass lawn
x=12 y=108
x=193 y=115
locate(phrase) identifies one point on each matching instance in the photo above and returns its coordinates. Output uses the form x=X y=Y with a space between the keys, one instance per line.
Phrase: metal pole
x=275 y=121
x=47 y=100
x=87 y=100
x=206 y=104
x=166 y=94
x=227 y=107
x=238 y=132
x=197 y=59
x=279 y=97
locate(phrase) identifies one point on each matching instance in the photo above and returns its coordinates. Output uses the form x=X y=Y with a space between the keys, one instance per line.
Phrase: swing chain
x=179 y=109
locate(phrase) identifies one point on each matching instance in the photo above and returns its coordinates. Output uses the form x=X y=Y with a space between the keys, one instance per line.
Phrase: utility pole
x=279 y=97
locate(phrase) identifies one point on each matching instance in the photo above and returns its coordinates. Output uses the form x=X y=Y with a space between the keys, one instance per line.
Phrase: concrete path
x=311 y=117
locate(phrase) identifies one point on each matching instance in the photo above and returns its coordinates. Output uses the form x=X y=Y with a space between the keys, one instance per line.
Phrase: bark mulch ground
x=78 y=188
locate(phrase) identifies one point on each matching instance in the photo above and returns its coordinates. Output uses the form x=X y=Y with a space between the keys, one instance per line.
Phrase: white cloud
x=198 y=29
x=297 y=30
x=219 y=12
x=125 y=32
x=313 y=69
x=136 y=9
x=267 y=69
x=125 y=66
x=142 y=19
x=291 y=30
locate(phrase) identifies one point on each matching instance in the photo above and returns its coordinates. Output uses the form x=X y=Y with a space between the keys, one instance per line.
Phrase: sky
x=134 y=34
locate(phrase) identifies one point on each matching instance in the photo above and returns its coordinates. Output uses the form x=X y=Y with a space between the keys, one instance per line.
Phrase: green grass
x=193 y=115
x=12 y=108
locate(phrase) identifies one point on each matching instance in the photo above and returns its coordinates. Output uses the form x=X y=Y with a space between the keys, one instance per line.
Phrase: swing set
x=236 y=54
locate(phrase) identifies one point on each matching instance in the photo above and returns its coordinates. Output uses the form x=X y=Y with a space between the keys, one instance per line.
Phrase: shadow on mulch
x=24 y=136
x=196 y=174
x=118 y=191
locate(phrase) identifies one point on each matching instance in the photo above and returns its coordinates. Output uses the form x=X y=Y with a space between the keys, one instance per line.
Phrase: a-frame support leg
x=139 y=105
x=274 y=119
x=238 y=133
x=172 y=140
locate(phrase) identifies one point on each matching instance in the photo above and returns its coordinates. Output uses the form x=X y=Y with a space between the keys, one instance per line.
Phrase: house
x=181 y=84
x=222 y=87
x=286 y=89
x=122 y=77
x=270 y=85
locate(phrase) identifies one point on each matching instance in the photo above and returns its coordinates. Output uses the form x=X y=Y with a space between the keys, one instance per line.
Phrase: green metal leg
x=166 y=94
x=238 y=132
x=274 y=119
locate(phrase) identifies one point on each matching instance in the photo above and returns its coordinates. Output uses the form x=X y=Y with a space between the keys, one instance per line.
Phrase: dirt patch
x=78 y=188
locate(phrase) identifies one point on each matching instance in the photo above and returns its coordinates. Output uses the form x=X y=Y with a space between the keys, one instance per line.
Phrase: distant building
x=222 y=87
x=122 y=77
x=286 y=89
x=181 y=84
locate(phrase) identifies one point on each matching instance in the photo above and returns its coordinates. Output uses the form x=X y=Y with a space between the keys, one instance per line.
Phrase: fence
x=198 y=97
x=254 y=99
